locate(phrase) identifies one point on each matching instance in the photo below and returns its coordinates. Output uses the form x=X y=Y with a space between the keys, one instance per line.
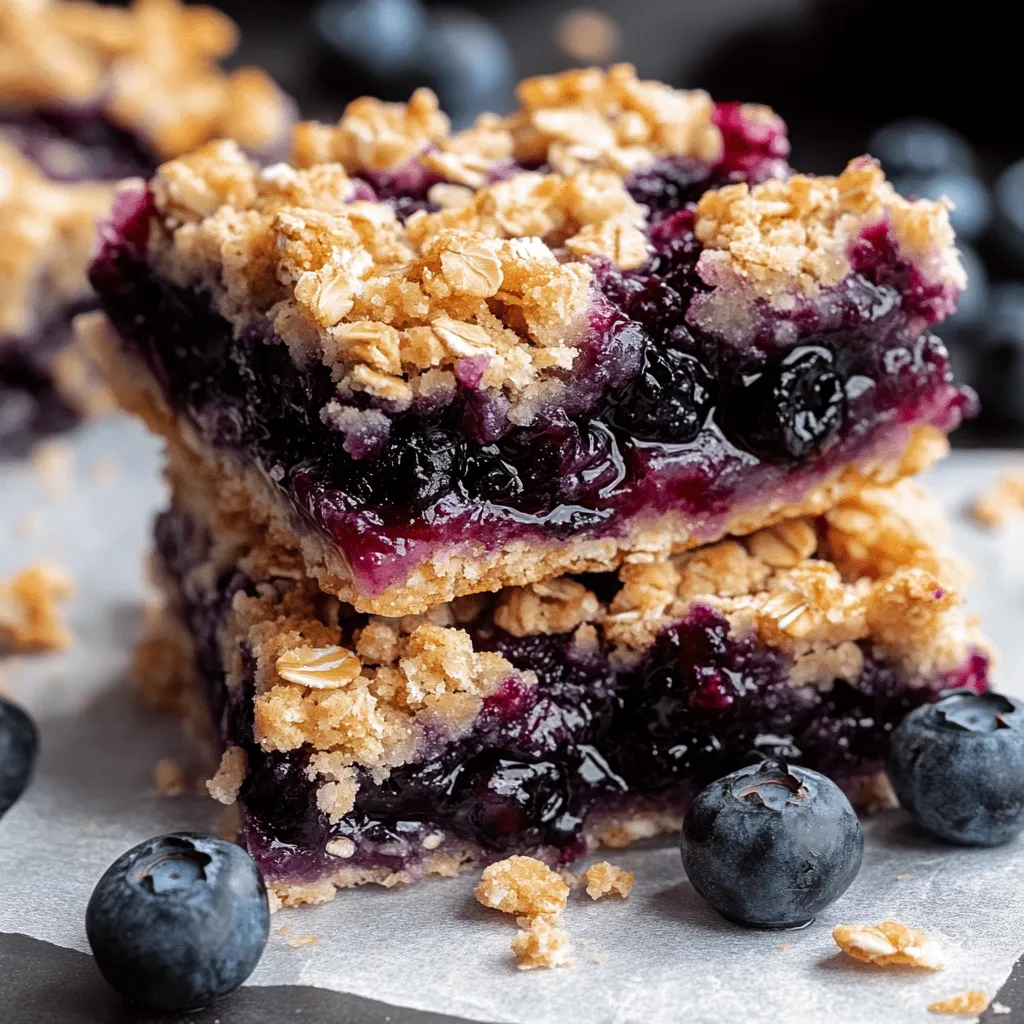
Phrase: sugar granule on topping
x=604 y=878
x=29 y=616
x=541 y=943
x=889 y=944
x=966 y=1004
x=523 y=886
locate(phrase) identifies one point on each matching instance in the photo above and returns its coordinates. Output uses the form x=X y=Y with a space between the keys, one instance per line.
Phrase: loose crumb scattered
x=604 y=878
x=1002 y=502
x=230 y=774
x=889 y=944
x=296 y=941
x=104 y=470
x=169 y=778
x=284 y=929
x=523 y=886
x=600 y=958
x=783 y=948
x=54 y=461
x=541 y=943
x=1001 y=1009
x=902 y=878
x=966 y=1004
x=29 y=619
x=588 y=35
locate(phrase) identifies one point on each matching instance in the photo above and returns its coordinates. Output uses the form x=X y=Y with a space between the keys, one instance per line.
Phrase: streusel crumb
x=1002 y=502
x=298 y=941
x=1001 y=1009
x=29 y=616
x=168 y=777
x=541 y=943
x=889 y=944
x=967 y=1004
x=523 y=886
x=230 y=775
x=604 y=878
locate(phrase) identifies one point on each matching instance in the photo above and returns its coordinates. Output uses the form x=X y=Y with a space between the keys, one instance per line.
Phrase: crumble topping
x=889 y=944
x=796 y=233
x=168 y=777
x=523 y=886
x=967 y=1004
x=555 y=606
x=230 y=775
x=29 y=616
x=153 y=67
x=604 y=878
x=1002 y=502
x=541 y=943
x=46 y=235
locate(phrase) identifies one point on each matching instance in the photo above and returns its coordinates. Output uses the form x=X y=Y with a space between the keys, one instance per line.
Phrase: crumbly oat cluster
x=153 y=67
x=603 y=879
x=46 y=233
x=889 y=944
x=29 y=615
x=495 y=284
x=971 y=1003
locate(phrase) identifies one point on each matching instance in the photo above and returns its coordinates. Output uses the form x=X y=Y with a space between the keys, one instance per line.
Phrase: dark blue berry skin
x=972 y=205
x=19 y=742
x=381 y=39
x=1009 y=196
x=957 y=766
x=771 y=845
x=920 y=148
x=1000 y=376
x=467 y=62
x=178 y=921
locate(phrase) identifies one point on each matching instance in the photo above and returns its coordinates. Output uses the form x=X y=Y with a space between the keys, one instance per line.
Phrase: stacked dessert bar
x=89 y=94
x=528 y=478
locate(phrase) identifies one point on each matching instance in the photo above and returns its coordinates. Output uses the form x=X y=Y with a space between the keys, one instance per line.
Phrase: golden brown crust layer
x=243 y=495
x=154 y=66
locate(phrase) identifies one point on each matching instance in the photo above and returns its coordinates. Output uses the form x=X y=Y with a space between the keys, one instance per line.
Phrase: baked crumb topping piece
x=967 y=1004
x=540 y=942
x=153 y=67
x=230 y=775
x=1002 y=502
x=168 y=777
x=523 y=886
x=603 y=879
x=47 y=231
x=889 y=944
x=29 y=615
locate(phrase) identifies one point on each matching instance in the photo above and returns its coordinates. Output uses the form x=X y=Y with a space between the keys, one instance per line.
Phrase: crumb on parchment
x=541 y=943
x=523 y=886
x=966 y=1004
x=168 y=777
x=29 y=619
x=604 y=878
x=297 y=941
x=229 y=776
x=1003 y=501
x=1001 y=1009
x=889 y=944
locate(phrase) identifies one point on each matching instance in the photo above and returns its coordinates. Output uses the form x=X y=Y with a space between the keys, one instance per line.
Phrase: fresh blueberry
x=957 y=766
x=920 y=147
x=670 y=400
x=1009 y=194
x=466 y=60
x=972 y=206
x=1000 y=376
x=377 y=38
x=790 y=410
x=771 y=845
x=178 y=921
x=417 y=468
x=19 y=742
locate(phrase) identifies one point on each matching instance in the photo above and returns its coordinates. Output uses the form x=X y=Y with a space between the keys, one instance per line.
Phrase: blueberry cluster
x=986 y=335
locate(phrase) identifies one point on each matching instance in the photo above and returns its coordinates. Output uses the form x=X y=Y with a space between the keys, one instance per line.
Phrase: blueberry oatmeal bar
x=90 y=91
x=89 y=94
x=608 y=328
x=47 y=231
x=550 y=718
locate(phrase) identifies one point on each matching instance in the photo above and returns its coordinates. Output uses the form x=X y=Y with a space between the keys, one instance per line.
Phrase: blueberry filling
x=658 y=415
x=541 y=763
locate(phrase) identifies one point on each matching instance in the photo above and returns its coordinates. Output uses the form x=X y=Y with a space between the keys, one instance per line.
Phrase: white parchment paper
x=661 y=956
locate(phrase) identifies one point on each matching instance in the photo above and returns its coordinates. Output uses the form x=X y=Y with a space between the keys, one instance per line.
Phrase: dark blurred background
x=926 y=87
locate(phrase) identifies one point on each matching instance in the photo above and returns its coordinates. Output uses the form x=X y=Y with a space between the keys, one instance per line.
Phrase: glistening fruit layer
x=543 y=763
x=657 y=414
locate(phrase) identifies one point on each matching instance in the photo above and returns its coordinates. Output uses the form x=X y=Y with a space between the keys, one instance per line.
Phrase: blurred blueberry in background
x=1009 y=192
x=1001 y=382
x=920 y=148
x=378 y=39
x=972 y=207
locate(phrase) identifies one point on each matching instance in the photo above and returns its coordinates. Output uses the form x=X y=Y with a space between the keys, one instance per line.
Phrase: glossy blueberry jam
x=657 y=415
x=542 y=762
